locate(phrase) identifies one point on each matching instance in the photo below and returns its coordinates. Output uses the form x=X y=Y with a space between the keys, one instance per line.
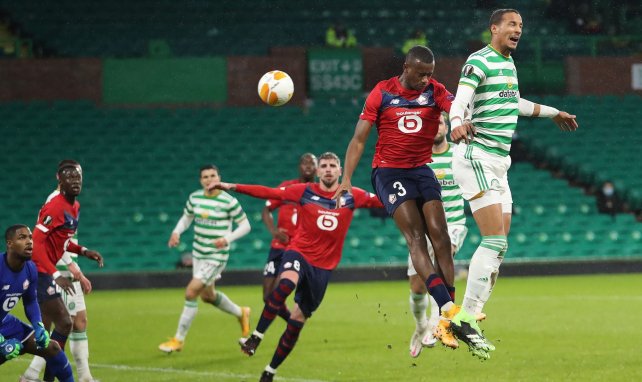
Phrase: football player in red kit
x=286 y=223
x=311 y=255
x=56 y=225
x=406 y=110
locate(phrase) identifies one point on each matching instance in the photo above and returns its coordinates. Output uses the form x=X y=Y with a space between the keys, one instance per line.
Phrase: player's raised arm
x=353 y=155
x=563 y=120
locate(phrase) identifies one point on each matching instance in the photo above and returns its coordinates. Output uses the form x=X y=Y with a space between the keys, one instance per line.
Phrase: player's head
x=69 y=177
x=208 y=174
x=307 y=166
x=19 y=241
x=442 y=131
x=329 y=169
x=418 y=68
x=506 y=29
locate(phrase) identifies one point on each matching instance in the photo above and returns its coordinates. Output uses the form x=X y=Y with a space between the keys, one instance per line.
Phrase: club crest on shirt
x=468 y=70
x=392 y=198
x=25 y=285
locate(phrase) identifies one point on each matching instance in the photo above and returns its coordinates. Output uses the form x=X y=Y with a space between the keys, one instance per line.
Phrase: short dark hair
x=66 y=163
x=421 y=53
x=307 y=155
x=207 y=167
x=10 y=233
x=330 y=155
x=496 y=16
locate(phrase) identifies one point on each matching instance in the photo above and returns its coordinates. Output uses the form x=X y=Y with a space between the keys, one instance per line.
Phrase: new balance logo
x=484 y=279
x=6 y=287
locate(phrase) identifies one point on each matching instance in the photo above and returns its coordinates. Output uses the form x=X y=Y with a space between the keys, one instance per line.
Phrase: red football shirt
x=321 y=228
x=56 y=225
x=407 y=122
x=287 y=216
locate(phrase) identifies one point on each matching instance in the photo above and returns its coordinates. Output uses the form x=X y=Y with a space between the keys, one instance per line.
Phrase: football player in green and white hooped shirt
x=75 y=304
x=213 y=213
x=442 y=153
x=489 y=86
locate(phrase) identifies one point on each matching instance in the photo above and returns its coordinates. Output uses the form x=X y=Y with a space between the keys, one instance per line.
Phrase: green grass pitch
x=574 y=328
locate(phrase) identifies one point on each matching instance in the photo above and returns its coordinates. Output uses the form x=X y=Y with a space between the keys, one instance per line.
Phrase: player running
x=311 y=255
x=284 y=230
x=213 y=213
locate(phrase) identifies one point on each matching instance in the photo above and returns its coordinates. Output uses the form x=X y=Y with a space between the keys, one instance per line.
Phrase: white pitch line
x=186 y=372
x=192 y=372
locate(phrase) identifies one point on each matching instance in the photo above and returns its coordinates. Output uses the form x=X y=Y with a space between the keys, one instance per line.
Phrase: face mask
x=608 y=191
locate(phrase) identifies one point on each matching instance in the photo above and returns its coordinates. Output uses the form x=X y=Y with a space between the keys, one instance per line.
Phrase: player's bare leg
x=435 y=219
x=411 y=224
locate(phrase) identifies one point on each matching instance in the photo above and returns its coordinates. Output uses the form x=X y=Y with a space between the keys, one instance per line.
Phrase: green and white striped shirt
x=495 y=102
x=213 y=218
x=450 y=191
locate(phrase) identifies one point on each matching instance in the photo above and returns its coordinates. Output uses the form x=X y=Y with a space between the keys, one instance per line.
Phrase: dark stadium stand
x=123 y=28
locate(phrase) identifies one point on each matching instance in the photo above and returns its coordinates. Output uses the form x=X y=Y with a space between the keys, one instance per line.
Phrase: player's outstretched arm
x=563 y=120
x=566 y=121
x=353 y=155
x=221 y=186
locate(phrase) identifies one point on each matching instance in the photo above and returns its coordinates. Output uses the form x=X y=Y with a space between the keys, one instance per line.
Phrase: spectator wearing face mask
x=608 y=201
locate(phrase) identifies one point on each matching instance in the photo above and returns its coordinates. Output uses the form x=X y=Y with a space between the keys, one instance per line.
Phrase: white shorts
x=206 y=270
x=74 y=303
x=457 y=233
x=479 y=172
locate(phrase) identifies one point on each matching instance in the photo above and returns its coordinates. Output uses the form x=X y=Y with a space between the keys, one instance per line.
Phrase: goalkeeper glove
x=41 y=335
x=10 y=348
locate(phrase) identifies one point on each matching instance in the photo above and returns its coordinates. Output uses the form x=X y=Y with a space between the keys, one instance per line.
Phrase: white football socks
x=80 y=351
x=189 y=312
x=35 y=367
x=482 y=272
x=225 y=304
x=418 y=306
x=434 y=312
